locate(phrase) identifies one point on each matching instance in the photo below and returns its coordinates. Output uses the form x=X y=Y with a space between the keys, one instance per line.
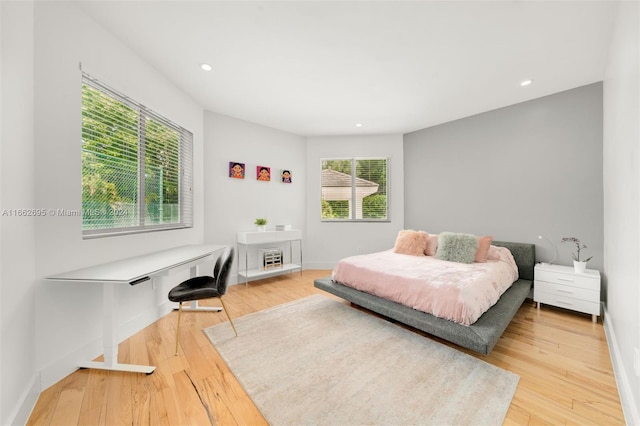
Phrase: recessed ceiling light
x=526 y=82
x=358 y=124
x=206 y=67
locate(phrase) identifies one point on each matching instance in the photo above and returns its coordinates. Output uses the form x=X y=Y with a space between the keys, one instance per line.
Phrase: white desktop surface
x=128 y=271
x=134 y=268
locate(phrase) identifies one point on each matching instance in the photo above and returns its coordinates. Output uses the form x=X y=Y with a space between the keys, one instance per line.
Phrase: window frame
x=353 y=217
x=184 y=166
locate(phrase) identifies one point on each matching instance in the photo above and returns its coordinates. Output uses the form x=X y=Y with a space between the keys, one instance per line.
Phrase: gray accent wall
x=530 y=169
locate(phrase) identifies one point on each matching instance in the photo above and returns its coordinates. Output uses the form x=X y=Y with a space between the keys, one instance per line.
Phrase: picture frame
x=263 y=173
x=236 y=170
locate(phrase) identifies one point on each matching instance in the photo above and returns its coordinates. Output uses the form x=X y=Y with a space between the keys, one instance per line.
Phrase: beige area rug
x=318 y=361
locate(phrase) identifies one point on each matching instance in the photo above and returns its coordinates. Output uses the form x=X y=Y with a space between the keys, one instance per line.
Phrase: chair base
x=130 y=368
x=195 y=307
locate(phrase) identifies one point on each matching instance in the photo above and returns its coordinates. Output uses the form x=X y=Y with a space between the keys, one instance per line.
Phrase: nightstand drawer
x=574 y=280
x=561 y=290
x=592 y=308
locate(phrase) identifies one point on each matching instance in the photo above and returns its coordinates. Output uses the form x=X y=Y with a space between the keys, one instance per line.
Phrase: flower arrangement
x=579 y=246
x=261 y=221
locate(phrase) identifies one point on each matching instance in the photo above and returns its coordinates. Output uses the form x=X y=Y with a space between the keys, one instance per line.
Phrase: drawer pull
x=564 y=291
x=565 y=279
x=561 y=302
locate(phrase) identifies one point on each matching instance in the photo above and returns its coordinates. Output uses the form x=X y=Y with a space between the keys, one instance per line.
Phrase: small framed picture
x=236 y=170
x=263 y=173
x=285 y=175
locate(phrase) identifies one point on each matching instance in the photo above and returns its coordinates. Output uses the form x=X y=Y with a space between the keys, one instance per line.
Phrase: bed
x=482 y=335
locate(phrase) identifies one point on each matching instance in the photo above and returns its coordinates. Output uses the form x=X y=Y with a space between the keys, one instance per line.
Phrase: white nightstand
x=561 y=286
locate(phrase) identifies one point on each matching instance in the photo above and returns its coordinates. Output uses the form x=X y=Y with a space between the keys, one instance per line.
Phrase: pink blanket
x=456 y=291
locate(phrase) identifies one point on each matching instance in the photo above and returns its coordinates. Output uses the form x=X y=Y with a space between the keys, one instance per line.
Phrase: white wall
x=622 y=204
x=233 y=205
x=18 y=367
x=515 y=173
x=69 y=316
x=328 y=242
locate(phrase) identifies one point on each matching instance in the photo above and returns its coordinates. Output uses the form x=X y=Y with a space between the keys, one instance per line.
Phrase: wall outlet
x=636 y=361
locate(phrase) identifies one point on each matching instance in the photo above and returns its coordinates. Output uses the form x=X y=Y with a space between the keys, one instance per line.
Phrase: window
x=359 y=196
x=136 y=166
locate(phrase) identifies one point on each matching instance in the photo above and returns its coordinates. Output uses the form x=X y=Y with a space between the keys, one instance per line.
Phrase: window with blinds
x=136 y=166
x=355 y=189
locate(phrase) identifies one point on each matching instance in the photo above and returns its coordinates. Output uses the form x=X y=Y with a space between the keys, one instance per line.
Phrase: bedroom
x=48 y=37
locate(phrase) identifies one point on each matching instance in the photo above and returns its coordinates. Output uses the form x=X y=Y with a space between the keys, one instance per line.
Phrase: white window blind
x=355 y=189
x=136 y=166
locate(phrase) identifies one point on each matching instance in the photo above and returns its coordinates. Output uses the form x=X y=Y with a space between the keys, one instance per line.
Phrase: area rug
x=316 y=361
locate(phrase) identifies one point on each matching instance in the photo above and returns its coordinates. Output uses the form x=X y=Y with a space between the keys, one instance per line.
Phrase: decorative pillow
x=432 y=245
x=459 y=247
x=483 y=248
x=411 y=242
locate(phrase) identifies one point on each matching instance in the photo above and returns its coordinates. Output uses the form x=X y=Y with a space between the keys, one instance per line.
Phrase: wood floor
x=561 y=357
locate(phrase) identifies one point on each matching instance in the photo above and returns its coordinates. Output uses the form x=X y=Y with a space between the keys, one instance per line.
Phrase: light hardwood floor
x=561 y=357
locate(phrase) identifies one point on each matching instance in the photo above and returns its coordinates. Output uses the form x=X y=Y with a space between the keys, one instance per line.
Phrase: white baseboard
x=320 y=265
x=629 y=407
x=235 y=280
x=27 y=402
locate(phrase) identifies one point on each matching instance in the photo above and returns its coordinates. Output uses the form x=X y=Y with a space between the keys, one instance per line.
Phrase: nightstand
x=561 y=286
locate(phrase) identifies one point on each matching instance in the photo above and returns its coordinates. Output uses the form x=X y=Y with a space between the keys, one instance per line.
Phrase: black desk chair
x=205 y=287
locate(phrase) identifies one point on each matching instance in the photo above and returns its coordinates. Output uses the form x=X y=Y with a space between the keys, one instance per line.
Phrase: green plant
x=261 y=221
x=579 y=247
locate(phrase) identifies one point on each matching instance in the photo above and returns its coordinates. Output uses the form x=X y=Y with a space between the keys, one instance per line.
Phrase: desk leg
x=193 y=306
x=110 y=336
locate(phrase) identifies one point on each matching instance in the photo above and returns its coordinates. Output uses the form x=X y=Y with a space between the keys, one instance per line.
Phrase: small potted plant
x=261 y=223
x=579 y=265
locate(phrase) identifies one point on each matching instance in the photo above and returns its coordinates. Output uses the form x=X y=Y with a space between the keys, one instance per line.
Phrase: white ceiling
x=320 y=67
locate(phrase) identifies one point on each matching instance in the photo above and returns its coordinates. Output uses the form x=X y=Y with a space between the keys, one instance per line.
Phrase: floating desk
x=133 y=271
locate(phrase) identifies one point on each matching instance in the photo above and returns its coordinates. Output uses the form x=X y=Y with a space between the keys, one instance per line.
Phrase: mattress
x=454 y=291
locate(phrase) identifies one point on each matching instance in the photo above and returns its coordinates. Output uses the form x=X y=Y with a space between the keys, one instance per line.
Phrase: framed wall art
x=285 y=176
x=236 y=170
x=263 y=173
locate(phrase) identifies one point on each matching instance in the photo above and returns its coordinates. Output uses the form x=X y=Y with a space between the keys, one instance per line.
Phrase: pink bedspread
x=456 y=291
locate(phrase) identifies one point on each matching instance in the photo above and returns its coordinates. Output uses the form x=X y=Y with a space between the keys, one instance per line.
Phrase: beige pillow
x=483 y=248
x=432 y=245
x=411 y=242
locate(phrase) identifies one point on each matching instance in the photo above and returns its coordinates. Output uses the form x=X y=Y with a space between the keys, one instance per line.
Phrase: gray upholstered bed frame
x=481 y=336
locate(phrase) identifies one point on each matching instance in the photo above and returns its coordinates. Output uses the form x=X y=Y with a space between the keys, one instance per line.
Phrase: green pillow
x=457 y=247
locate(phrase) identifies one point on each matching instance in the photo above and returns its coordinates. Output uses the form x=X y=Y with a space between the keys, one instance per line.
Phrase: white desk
x=132 y=271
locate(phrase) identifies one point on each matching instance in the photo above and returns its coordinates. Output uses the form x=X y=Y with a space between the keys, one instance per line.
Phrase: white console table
x=132 y=271
x=247 y=239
